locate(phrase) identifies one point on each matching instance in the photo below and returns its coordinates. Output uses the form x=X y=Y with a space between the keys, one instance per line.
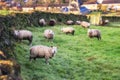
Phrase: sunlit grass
x=78 y=57
x=4 y=12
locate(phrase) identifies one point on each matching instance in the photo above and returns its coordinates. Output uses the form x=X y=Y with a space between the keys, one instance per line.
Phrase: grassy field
x=78 y=57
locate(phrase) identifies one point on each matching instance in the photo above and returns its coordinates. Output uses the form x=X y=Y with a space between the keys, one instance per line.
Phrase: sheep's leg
x=19 y=40
x=30 y=40
x=99 y=37
x=73 y=33
x=46 y=60
x=30 y=58
x=34 y=58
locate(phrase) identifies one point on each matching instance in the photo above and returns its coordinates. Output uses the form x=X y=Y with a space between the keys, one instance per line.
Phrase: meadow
x=78 y=56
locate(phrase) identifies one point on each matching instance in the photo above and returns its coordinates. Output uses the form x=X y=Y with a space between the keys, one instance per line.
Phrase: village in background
x=60 y=6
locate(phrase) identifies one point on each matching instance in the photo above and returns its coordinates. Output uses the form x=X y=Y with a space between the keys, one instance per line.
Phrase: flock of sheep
x=42 y=51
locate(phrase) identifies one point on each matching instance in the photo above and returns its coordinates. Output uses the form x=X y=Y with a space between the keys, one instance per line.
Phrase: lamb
x=42 y=22
x=48 y=34
x=41 y=51
x=69 y=22
x=52 y=22
x=94 y=33
x=23 y=35
x=85 y=24
x=68 y=30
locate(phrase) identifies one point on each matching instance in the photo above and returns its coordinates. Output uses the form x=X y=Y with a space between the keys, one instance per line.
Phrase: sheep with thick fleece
x=85 y=24
x=68 y=30
x=94 y=33
x=69 y=22
x=48 y=34
x=41 y=51
x=23 y=35
x=42 y=22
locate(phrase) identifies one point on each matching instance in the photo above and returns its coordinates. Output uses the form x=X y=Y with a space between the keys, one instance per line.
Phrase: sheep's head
x=51 y=32
x=16 y=32
x=54 y=49
x=89 y=24
x=89 y=30
x=62 y=29
x=106 y=21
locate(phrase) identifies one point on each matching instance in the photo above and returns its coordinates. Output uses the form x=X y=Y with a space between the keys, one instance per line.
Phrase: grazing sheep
x=94 y=33
x=104 y=22
x=85 y=24
x=41 y=51
x=23 y=35
x=49 y=34
x=69 y=22
x=68 y=30
x=52 y=22
x=42 y=22
x=78 y=22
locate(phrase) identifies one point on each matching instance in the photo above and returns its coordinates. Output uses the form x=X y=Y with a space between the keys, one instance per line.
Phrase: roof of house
x=104 y=2
x=111 y=1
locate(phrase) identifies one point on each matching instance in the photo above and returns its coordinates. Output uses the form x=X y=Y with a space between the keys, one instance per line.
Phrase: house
x=27 y=9
x=106 y=5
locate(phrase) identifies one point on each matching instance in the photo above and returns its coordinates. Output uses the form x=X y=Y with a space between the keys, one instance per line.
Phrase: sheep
x=78 y=22
x=23 y=35
x=69 y=22
x=68 y=30
x=41 y=51
x=52 y=22
x=48 y=34
x=94 y=33
x=104 y=22
x=42 y=22
x=85 y=24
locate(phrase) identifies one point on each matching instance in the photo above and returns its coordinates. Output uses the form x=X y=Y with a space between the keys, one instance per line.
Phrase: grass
x=4 y=12
x=78 y=57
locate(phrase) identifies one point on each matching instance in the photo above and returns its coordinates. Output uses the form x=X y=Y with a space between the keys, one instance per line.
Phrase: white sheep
x=94 y=33
x=23 y=35
x=68 y=30
x=41 y=51
x=48 y=34
x=85 y=24
x=42 y=22
x=78 y=22
x=69 y=22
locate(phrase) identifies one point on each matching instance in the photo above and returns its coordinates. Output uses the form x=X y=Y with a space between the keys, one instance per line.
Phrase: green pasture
x=78 y=56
